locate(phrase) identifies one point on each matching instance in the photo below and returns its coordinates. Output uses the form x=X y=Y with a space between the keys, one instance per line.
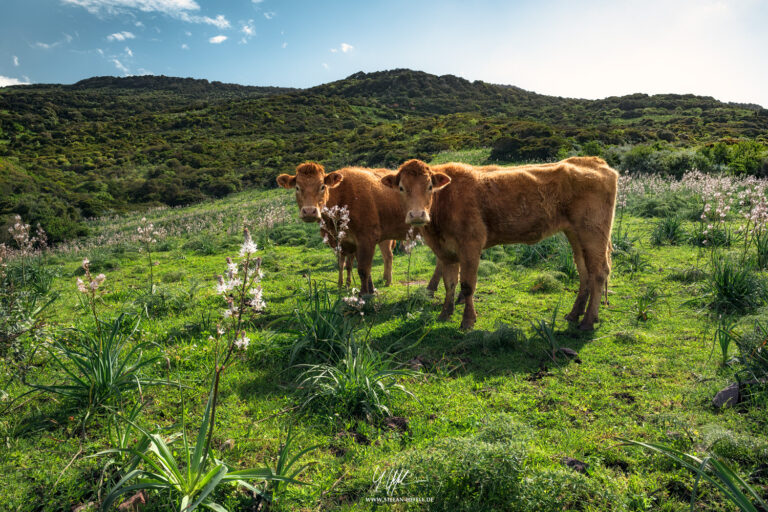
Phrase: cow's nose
x=309 y=212
x=417 y=217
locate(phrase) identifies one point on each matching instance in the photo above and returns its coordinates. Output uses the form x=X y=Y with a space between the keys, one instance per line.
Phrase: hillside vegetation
x=69 y=152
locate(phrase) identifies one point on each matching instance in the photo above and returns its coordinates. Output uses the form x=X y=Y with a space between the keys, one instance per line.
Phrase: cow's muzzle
x=417 y=218
x=309 y=214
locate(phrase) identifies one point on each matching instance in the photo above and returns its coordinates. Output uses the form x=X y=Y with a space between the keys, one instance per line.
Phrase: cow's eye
x=430 y=188
x=402 y=189
x=322 y=188
x=297 y=188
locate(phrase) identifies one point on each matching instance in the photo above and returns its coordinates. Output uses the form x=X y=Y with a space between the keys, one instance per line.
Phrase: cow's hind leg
x=341 y=258
x=581 y=298
x=435 y=281
x=450 y=277
x=598 y=269
x=386 y=254
x=365 y=251
x=350 y=263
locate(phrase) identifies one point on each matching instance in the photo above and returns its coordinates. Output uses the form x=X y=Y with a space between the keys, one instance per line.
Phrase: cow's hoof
x=467 y=325
x=586 y=326
x=572 y=317
x=444 y=316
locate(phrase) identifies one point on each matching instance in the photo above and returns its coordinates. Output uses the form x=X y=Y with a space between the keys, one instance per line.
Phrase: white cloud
x=285 y=45
x=120 y=6
x=139 y=24
x=217 y=39
x=185 y=46
x=48 y=46
x=326 y=66
x=5 y=81
x=179 y=9
x=188 y=33
x=219 y=21
x=121 y=36
x=15 y=61
x=343 y=47
x=119 y=65
x=128 y=52
x=257 y=1
x=269 y=15
x=248 y=28
x=101 y=52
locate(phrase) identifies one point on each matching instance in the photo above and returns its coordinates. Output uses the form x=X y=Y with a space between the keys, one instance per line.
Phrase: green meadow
x=395 y=409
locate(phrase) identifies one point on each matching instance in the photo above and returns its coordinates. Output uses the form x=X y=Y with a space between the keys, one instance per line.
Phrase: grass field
x=492 y=419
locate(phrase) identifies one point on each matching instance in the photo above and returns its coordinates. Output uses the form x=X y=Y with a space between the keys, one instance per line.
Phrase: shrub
x=546 y=283
x=464 y=473
x=487 y=268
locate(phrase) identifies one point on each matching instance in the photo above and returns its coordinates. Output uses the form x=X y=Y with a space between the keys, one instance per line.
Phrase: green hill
x=110 y=144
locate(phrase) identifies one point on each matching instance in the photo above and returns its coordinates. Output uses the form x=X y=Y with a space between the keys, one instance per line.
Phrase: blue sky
x=588 y=49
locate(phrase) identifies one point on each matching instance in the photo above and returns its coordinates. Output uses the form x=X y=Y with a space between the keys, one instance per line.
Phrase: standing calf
x=464 y=210
x=375 y=213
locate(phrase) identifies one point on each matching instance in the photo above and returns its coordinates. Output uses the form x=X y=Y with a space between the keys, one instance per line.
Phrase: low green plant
x=724 y=337
x=545 y=331
x=633 y=262
x=713 y=470
x=668 y=231
x=645 y=303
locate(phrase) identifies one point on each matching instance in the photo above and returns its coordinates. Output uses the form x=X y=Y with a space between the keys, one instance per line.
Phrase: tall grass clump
x=101 y=361
x=361 y=384
x=668 y=231
x=26 y=294
x=713 y=470
x=324 y=324
x=733 y=287
x=189 y=474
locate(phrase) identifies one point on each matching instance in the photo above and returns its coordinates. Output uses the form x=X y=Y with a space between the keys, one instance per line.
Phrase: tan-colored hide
x=465 y=209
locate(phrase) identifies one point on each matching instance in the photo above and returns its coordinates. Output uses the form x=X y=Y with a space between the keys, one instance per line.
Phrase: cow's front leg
x=349 y=264
x=386 y=255
x=450 y=278
x=469 y=263
x=365 y=251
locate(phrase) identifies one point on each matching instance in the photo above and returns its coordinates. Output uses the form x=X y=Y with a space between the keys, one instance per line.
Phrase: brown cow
x=463 y=211
x=375 y=213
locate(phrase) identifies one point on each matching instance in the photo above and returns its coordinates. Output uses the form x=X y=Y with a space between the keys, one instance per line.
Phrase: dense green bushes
x=105 y=144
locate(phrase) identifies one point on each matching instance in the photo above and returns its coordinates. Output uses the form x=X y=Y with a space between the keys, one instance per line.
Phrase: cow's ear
x=333 y=179
x=390 y=180
x=286 y=181
x=439 y=180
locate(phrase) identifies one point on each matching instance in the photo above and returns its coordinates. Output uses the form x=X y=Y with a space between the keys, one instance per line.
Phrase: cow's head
x=312 y=186
x=416 y=183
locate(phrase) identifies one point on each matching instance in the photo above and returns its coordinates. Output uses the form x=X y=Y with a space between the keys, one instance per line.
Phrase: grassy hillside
x=493 y=420
x=115 y=144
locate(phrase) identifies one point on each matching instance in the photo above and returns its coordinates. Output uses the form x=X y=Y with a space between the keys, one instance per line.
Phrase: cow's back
x=373 y=207
x=521 y=203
